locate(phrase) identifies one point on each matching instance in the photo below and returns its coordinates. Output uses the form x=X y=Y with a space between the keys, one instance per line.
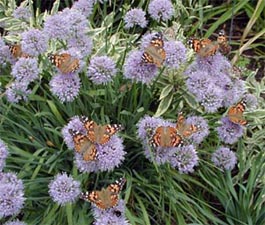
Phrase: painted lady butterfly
x=155 y=53
x=107 y=197
x=235 y=113
x=184 y=129
x=203 y=47
x=64 y=62
x=16 y=51
x=84 y=146
x=224 y=47
x=166 y=137
x=99 y=134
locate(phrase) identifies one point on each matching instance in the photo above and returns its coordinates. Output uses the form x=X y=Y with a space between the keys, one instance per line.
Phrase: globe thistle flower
x=203 y=128
x=65 y=86
x=229 y=132
x=138 y=71
x=115 y=215
x=17 y=91
x=64 y=189
x=251 y=101
x=22 y=13
x=83 y=43
x=224 y=158
x=175 y=54
x=74 y=124
x=84 y=6
x=34 y=42
x=185 y=159
x=25 y=70
x=11 y=194
x=161 y=10
x=109 y=156
x=5 y=55
x=135 y=17
x=15 y=222
x=3 y=154
x=101 y=69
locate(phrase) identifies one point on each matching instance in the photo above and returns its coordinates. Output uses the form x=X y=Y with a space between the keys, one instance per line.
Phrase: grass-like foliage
x=186 y=128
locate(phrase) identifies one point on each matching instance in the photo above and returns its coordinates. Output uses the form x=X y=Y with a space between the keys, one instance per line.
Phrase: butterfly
x=84 y=146
x=235 y=113
x=99 y=134
x=166 y=136
x=107 y=197
x=16 y=51
x=224 y=47
x=203 y=47
x=64 y=62
x=155 y=53
x=184 y=129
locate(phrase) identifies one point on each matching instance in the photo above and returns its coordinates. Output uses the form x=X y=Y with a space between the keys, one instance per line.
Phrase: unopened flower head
x=64 y=189
x=224 y=158
x=135 y=17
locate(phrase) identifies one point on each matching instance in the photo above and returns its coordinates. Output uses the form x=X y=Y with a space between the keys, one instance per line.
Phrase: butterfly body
x=185 y=129
x=107 y=197
x=84 y=146
x=166 y=137
x=155 y=53
x=100 y=134
x=235 y=113
x=65 y=62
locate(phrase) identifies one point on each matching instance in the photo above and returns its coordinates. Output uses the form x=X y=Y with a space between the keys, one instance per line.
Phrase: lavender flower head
x=224 y=158
x=22 y=13
x=109 y=156
x=11 y=194
x=3 y=154
x=83 y=43
x=115 y=215
x=17 y=91
x=34 y=42
x=203 y=128
x=135 y=17
x=74 y=124
x=175 y=54
x=229 y=132
x=25 y=70
x=161 y=10
x=64 y=189
x=84 y=6
x=251 y=101
x=5 y=55
x=65 y=86
x=101 y=69
x=185 y=159
x=138 y=71
x=15 y=222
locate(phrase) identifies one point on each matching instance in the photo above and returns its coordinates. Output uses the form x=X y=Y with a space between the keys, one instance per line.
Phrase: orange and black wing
x=235 y=113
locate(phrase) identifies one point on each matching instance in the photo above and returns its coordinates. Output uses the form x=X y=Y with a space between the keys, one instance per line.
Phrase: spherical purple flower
x=84 y=6
x=203 y=129
x=251 y=101
x=161 y=10
x=101 y=69
x=109 y=156
x=22 y=13
x=65 y=86
x=25 y=70
x=34 y=42
x=229 y=132
x=64 y=189
x=11 y=194
x=185 y=159
x=83 y=43
x=224 y=158
x=135 y=69
x=3 y=154
x=15 y=222
x=5 y=55
x=135 y=17
x=115 y=215
x=17 y=91
x=175 y=53
x=74 y=124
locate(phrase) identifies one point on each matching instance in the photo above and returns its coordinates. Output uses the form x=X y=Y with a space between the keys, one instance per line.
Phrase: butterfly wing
x=183 y=128
x=208 y=48
x=65 y=62
x=224 y=46
x=235 y=113
x=16 y=51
